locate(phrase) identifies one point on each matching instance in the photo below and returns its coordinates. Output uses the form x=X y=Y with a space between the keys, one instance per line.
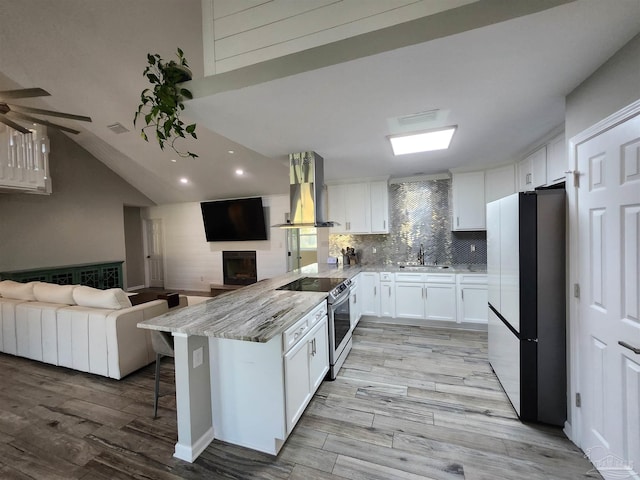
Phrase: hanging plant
x=160 y=106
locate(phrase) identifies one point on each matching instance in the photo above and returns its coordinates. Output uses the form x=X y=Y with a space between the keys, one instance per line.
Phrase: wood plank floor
x=410 y=403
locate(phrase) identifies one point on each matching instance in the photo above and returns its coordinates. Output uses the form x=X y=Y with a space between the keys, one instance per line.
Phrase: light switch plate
x=197 y=357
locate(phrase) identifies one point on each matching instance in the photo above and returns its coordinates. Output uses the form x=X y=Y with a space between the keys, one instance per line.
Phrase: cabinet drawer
x=408 y=277
x=315 y=315
x=475 y=278
x=386 y=277
x=295 y=332
x=439 y=278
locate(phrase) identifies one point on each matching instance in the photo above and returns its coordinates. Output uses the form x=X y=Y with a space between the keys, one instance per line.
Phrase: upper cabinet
x=468 y=201
x=359 y=207
x=556 y=160
x=532 y=171
x=544 y=167
x=379 y=193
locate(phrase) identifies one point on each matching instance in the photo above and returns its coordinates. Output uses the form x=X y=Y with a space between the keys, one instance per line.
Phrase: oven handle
x=345 y=298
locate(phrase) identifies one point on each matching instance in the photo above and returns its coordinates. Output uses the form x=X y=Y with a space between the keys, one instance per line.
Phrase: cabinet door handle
x=355 y=298
x=375 y=291
x=635 y=350
x=462 y=292
x=384 y=224
x=422 y=292
x=313 y=348
x=457 y=221
x=389 y=291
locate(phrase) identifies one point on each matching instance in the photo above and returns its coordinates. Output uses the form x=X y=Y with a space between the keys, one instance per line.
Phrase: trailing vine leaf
x=161 y=106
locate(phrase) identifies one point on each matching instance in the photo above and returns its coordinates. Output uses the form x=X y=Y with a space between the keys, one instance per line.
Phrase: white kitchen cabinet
x=472 y=298
x=350 y=205
x=355 y=302
x=359 y=208
x=532 y=171
x=426 y=296
x=387 y=295
x=440 y=302
x=370 y=288
x=379 y=192
x=410 y=300
x=259 y=390
x=499 y=182
x=305 y=366
x=556 y=160
x=468 y=201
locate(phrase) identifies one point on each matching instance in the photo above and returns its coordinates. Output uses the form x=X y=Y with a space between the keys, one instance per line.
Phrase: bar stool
x=163 y=345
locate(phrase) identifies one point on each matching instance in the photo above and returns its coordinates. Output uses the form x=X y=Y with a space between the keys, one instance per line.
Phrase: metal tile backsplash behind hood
x=306 y=192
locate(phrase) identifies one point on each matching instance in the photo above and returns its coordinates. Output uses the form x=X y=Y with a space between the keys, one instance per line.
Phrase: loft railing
x=24 y=160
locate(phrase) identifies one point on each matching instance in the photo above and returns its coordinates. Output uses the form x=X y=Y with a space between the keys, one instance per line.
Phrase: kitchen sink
x=418 y=266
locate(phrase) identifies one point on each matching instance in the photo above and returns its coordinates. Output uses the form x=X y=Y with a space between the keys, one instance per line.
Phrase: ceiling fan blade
x=51 y=113
x=24 y=93
x=29 y=118
x=13 y=125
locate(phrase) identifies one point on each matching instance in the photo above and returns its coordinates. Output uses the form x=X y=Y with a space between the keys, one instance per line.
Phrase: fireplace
x=239 y=268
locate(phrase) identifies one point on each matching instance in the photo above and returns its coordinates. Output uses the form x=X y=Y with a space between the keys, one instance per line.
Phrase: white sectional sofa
x=77 y=327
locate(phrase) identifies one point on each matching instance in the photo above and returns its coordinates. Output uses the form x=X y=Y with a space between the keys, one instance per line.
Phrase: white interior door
x=608 y=200
x=154 y=247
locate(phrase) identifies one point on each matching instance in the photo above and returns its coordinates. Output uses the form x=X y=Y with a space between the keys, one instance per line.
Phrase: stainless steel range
x=339 y=315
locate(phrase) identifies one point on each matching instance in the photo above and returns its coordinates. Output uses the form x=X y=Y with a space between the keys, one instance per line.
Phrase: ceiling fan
x=9 y=110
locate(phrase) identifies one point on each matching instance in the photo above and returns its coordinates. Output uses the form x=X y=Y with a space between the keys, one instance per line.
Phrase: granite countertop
x=259 y=312
x=255 y=313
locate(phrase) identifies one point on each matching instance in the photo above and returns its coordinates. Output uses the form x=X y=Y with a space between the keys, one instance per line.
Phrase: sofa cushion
x=54 y=293
x=112 y=298
x=17 y=290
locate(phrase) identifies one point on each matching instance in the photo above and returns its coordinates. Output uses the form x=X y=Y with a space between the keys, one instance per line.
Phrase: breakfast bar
x=233 y=355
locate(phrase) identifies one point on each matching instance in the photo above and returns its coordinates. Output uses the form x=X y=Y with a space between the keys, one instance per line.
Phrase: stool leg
x=156 y=391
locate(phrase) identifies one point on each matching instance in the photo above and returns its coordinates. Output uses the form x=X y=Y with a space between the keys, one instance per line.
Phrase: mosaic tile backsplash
x=419 y=213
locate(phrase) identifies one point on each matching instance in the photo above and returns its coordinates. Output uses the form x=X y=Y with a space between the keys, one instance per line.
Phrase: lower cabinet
x=426 y=296
x=260 y=390
x=440 y=302
x=305 y=366
x=370 y=288
x=409 y=300
x=472 y=298
x=355 y=302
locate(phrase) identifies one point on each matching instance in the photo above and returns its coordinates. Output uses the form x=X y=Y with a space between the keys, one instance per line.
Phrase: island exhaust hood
x=306 y=192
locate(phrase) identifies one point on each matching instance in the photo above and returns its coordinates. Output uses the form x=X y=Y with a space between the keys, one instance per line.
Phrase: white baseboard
x=480 y=327
x=190 y=453
x=137 y=287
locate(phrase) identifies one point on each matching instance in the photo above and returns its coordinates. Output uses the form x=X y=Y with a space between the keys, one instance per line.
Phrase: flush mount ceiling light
x=239 y=171
x=425 y=141
x=184 y=180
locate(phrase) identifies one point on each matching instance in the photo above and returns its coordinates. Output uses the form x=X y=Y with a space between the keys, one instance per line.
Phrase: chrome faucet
x=421 y=255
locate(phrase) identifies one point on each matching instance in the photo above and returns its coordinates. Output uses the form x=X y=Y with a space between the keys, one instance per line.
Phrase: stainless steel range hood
x=306 y=192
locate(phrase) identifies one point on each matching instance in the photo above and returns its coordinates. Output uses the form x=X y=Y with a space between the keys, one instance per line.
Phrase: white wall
x=192 y=263
x=613 y=86
x=82 y=221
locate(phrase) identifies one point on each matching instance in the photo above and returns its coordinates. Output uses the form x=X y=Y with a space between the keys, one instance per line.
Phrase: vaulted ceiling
x=503 y=84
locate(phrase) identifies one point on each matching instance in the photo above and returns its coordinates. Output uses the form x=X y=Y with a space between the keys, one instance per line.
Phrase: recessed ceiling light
x=239 y=171
x=231 y=152
x=184 y=180
x=174 y=160
x=437 y=139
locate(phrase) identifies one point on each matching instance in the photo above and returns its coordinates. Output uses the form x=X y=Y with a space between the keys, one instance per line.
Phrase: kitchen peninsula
x=231 y=355
x=248 y=362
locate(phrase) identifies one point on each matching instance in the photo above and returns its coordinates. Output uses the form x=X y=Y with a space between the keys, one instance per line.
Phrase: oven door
x=339 y=327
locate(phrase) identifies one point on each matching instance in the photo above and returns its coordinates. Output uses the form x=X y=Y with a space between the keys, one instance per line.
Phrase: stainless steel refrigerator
x=527 y=291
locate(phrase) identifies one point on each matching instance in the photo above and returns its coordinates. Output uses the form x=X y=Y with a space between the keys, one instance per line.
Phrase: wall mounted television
x=234 y=220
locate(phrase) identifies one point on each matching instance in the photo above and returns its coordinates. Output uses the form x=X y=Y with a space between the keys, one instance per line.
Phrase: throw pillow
x=54 y=293
x=17 y=290
x=112 y=298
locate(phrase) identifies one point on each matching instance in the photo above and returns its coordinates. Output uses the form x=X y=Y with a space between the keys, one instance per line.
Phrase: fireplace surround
x=239 y=267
